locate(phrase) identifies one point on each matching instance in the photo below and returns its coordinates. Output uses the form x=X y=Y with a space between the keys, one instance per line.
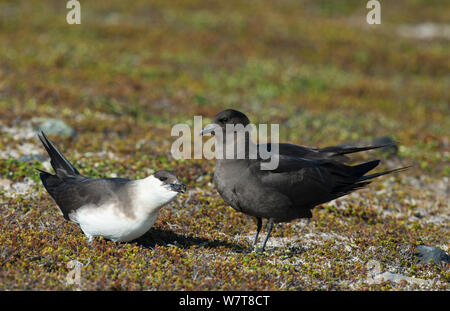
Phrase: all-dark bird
x=118 y=209
x=304 y=177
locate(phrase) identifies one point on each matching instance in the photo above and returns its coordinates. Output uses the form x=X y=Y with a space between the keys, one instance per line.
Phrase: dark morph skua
x=304 y=178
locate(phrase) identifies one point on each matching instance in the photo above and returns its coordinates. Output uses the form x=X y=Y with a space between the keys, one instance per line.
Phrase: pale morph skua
x=118 y=209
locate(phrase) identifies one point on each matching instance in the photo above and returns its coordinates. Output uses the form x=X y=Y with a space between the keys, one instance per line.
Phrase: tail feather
x=371 y=176
x=50 y=182
x=341 y=150
x=361 y=169
x=361 y=181
x=59 y=163
x=344 y=190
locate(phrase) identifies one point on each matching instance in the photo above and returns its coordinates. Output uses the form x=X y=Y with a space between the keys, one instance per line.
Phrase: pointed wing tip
x=41 y=138
x=404 y=168
x=44 y=135
x=42 y=171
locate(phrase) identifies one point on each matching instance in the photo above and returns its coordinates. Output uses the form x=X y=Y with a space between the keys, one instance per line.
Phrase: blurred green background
x=160 y=61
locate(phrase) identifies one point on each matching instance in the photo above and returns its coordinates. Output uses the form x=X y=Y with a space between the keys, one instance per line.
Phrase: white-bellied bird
x=117 y=209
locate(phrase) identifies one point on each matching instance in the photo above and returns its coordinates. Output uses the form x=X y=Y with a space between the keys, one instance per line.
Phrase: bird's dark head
x=220 y=121
x=170 y=180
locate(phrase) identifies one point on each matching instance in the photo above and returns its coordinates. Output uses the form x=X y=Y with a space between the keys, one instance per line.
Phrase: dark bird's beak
x=178 y=187
x=209 y=129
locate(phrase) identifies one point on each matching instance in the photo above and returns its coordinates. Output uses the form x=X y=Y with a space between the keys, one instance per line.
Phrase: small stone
x=32 y=158
x=5 y=183
x=52 y=127
x=23 y=187
x=385 y=140
x=396 y=278
x=425 y=254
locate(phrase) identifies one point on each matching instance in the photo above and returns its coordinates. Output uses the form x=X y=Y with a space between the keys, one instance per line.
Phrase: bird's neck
x=150 y=195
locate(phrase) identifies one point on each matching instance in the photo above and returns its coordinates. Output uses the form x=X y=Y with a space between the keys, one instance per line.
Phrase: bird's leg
x=269 y=230
x=258 y=229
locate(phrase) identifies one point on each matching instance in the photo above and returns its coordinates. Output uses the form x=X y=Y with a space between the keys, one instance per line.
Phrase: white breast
x=110 y=220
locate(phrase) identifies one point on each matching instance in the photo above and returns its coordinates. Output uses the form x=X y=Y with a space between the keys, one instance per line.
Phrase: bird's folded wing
x=307 y=181
x=340 y=150
x=306 y=152
x=87 y=192
x=336 y=153
x=296 y=172
x=290 y=149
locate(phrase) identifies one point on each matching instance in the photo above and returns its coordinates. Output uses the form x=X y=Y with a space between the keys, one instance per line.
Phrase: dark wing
x=73 y=193
x=292 y=150
x=59 y=163
x=308 y=182
x=336 y=153
x=71 y=190
x=341 y=150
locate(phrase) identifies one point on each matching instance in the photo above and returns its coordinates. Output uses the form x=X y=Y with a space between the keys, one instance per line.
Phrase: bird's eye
x=223 y=120
x=163 y=178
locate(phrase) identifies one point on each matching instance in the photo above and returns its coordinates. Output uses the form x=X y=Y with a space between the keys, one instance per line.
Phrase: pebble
x=53 y=127
x=425 y=254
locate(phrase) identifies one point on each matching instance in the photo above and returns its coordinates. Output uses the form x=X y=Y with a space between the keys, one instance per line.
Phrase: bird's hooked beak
x=209 y=129
x=178 y=187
